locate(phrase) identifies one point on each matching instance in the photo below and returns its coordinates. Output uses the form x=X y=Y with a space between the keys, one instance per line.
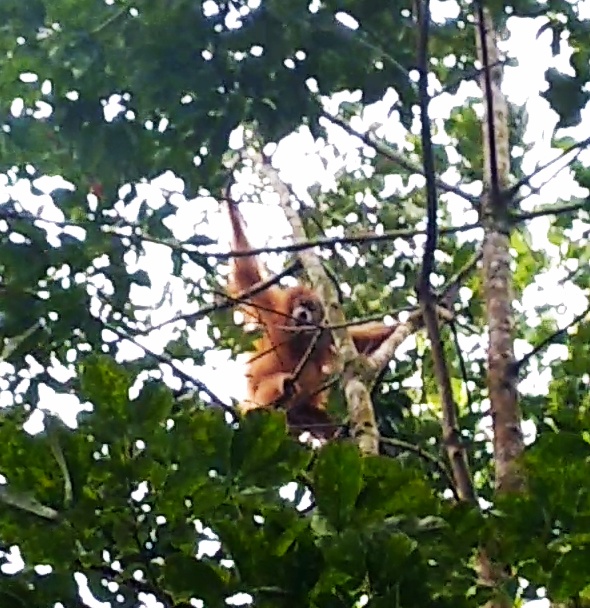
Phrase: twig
x=382 y=148
x=549 y=340
x=110 y=20
x=425 y=455
x=229 y=300
x=461 y=274
x=429 y=171
x=164 y=358
x=330 y=242
x=302 y=362
x=536 y=189
x=525 y=181
x=551 y=210
x=462 y=365
x=11 y=344
x=380 y=358
x=467 y=75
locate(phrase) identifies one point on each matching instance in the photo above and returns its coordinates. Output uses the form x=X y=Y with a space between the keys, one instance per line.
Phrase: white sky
x=300 y=160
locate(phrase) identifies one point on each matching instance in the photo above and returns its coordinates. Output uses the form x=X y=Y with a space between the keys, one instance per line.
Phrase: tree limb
x=370 y=140
x=451 y=432
x=525 y=181
x=58 y=454
x=331 y=242
x=27 y=503
x=518 y=365
x=229 y=301
x=508 y=440
x=165 y=358
x=551 y=210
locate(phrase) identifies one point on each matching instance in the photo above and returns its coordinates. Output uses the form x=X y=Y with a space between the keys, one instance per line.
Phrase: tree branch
x=508 y=441
x=385 y=353
x=370 y=140
x=518 y=365
x=525 y=181
x=59 y=456
x=497 y=279
x=27 y=503
x=229 y=301
x=551 y=210
x=165 y=358
x=451 y=432
x=331 y=242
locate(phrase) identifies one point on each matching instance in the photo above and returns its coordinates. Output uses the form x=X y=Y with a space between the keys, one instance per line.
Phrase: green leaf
x=263 y=453
x=210 y=438
x=566 y=96
x=153 y=404
x=337 y=482
x=141 y=278
x=389 y=488
x=188 y=577
x=106 y=385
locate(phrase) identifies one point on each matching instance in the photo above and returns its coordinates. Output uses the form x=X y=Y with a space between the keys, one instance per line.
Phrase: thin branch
x=537 y=189
x=385 y=150
x=429 y=171
x=290 y=247
x=458 y=278
x=331 y=242
x=450 y=427
x=376 y=317
x=468 y=75
x=27 y=503
x=229 y=301
x=425 y=455
x=551 y=210
x=550 y=340
x=105 y=24
x=11 y=344
x=525 y=181
x=166 y=359
x=302 y=362
x=383 y=355
x=462 y=365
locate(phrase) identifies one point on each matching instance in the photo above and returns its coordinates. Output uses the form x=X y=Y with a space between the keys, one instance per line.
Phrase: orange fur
x=291 y=320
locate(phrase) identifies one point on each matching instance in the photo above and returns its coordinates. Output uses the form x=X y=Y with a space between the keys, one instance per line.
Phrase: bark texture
x=502 y=379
